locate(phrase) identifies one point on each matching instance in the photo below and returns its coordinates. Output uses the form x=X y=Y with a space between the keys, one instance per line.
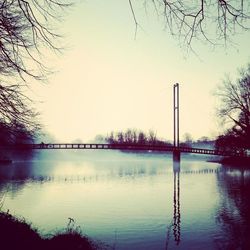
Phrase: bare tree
x=209 y=20
x=187 y=139
x=120 y=137
x=16 y=115
x=235 y=106
x=25 y=32
x=152 y=136
x=142 y=138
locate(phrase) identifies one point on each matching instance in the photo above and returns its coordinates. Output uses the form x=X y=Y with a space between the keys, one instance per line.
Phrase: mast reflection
x=176 y=221
x=177 y=213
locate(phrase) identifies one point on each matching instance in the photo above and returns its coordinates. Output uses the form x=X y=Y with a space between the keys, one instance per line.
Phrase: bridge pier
x=176 y=156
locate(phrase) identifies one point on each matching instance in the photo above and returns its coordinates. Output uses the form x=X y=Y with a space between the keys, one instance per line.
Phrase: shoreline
x=17 y=234
x=233 y=160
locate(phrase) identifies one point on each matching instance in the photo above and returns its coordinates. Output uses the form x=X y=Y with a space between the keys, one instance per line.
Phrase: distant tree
x=25 y=32
x=98 y=138
x=128 y=136
x=120 y=137
x=234 y=109
x=46 y=137
x=229 y=141
x=110 y=138
x=152 y=137
x=203 y=139
x=135 y=136
x=207 y=20
x=142 y=138
x=187 y=139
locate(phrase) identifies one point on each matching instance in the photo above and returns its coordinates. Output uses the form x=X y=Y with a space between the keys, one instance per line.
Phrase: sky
x=106 y=79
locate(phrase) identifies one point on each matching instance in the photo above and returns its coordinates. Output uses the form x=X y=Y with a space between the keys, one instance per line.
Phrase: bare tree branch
x=134 y=17
x=24 y=30
x=209 y=20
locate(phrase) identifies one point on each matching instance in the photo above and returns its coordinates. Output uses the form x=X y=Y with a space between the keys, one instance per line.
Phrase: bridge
x=176 y=149
x=125 y=147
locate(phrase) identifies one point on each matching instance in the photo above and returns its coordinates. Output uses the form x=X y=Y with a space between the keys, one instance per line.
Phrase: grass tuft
x=17 y=234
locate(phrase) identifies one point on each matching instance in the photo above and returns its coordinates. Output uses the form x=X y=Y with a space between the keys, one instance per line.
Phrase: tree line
x=134 y=136
x=138 y=137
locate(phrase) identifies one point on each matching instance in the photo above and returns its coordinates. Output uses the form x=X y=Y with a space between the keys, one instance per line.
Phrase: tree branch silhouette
x=235 y=109
x=210 y=21
x=25 y=33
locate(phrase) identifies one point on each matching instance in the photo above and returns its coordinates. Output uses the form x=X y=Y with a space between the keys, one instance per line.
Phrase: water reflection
x=136 y=201
x=38 y=171
x=233 y=215
x=233 y=212
x=177 y=211
x=176 y=221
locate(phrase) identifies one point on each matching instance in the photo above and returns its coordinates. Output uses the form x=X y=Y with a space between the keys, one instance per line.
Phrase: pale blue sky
x=107 y=80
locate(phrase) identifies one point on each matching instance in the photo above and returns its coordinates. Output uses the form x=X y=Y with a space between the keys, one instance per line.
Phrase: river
x=131 y=201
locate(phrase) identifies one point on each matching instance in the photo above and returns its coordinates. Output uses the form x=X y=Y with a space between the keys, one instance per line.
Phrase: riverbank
x=17 y=234
x=236 y=161
x=233 y=160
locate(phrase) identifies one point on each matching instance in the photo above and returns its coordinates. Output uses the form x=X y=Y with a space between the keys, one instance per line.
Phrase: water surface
x=132 y=201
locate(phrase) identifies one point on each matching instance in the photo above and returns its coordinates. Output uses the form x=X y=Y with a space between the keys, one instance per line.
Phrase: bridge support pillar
x=176 y=156
x=176 y=152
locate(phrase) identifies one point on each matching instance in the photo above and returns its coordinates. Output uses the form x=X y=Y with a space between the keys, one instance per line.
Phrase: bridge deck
x=131 y=147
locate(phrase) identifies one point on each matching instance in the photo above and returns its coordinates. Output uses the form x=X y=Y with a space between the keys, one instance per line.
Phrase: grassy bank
x=17 y=234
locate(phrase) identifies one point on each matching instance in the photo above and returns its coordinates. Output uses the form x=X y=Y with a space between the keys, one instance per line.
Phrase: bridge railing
x=142 y=147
